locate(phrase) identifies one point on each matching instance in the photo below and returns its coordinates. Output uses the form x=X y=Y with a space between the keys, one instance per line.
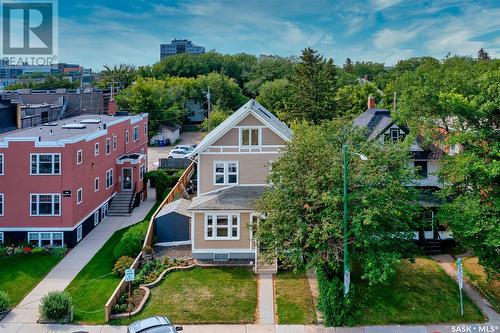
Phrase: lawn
x=22 y=272
x=294 y=302
x=95 y=283
x=204 y=296
x=476 y=275
x=422 y=293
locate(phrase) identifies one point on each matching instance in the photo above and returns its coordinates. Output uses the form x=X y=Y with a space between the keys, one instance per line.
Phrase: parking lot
x=155 y=153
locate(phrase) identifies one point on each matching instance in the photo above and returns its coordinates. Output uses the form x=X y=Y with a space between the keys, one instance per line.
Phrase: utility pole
x=81 y=91
x=347 y=274
x=208 y=100
x=394 y=102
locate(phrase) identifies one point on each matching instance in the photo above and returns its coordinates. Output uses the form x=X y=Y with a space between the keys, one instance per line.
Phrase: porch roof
x=229 y=198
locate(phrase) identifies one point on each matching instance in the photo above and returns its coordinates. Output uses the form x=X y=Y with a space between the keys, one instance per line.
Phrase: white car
x=184 y=147
x=179 y=153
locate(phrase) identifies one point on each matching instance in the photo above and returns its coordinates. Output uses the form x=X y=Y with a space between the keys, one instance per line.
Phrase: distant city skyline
x=96 y=33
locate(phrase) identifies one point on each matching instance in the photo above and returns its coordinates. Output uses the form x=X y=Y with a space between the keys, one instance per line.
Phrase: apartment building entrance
x=127 y=179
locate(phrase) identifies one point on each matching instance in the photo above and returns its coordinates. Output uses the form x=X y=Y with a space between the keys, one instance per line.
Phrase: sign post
x=129 y=277
x=460 y=283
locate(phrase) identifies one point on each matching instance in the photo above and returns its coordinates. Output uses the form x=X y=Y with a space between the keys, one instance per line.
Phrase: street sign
x=129 y=275
x=347 y=281
x=460 y=283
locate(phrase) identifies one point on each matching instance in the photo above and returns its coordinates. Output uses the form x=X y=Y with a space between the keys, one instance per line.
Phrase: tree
x=224 y=91
x=348 y=66
x=49 y=82
x=352 y=99
x=303 y=208
x=217 y=116
x=312 y=85
x=483 y=55
x=121 y=76
x=368 y=69
x=274 y=95
x=266 y=69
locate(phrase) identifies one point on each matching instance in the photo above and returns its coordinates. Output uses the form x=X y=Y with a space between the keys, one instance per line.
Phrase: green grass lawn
x=294 y=302
x=422 y=293
x=204 y=296
x=476 y=275
x=22 y=272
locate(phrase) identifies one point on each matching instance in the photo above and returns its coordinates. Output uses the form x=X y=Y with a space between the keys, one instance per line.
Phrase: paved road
x=64 y=272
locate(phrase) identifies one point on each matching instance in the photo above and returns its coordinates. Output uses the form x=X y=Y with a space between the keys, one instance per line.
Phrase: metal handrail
x=132 y=198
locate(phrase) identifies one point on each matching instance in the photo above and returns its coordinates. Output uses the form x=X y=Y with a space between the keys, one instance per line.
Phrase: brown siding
x=201 y=243
x=253 y=168
x=250 y=120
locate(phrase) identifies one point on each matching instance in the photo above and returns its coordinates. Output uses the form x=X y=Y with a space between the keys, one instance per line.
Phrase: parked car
x=153 y=325
x=179 y=153
x=184 y=147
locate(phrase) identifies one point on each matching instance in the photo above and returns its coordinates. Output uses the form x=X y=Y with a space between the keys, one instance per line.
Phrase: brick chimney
x=111 y=107
x=371 y=102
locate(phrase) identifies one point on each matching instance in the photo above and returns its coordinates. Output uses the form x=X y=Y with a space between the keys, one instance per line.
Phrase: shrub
x=161 y=181
x=56 y=305
x=59 y=251
x=122 y=264
x=4 y=301
x=337 y=310
x=3 y=251
x=131 y=242
x=38 y=250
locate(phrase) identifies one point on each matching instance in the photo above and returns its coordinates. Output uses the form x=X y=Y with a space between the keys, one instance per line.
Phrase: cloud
x=383 y=4
x=387 y=38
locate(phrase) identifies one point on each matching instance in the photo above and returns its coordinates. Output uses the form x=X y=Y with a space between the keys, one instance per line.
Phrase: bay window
x=225 y=173
x=45 y=204
x=45 y=164
x=222 y=226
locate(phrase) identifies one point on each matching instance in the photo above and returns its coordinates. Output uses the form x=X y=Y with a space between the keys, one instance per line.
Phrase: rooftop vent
x=90 y=121
x=74 y=126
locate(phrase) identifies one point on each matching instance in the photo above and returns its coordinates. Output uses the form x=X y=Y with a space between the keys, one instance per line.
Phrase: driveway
x=155 y=153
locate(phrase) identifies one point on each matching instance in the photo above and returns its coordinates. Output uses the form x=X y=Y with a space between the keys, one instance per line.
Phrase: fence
x=174 y=163
x=176 y=192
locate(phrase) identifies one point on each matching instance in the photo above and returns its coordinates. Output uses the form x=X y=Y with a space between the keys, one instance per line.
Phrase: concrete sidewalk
x=266 y=299
x=64 y=272
x=36 y=328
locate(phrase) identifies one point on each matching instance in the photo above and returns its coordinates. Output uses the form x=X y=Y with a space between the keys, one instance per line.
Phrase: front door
x=127 y=179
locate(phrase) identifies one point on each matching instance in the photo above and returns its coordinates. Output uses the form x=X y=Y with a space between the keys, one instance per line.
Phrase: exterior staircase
x=262 y=266
x=120 y=204
x=432 y=246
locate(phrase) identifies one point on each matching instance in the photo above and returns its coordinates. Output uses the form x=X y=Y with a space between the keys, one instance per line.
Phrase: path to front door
x=266 y=299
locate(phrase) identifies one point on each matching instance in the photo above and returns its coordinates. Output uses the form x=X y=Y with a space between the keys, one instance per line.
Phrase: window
x=142 y=171
x=1 y=204
x=394 y=135
x=126 y=136
x=104 y=211
x=250 y=137
x=79 y=196
x=145 y=128
x=225 y=173
x=57 y=238
x=79 y=156
x=96 y=149
x=96 y=184
x=109 y=178
x=135 y=134
x=1 y=238
x=45 y=164
x=421 y=168
x=45 y=204
x=96 y=218
x=114 y=142
x=1 y=164
x=79 y=233
x=226 y=226
x=108 y=146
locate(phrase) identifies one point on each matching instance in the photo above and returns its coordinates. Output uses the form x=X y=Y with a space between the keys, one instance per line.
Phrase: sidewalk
x=36 y=328
x=266 y=299
x=64 y=272
x=447 y=263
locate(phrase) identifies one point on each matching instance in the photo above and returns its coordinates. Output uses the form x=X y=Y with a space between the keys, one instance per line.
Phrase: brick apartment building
x=60 y=180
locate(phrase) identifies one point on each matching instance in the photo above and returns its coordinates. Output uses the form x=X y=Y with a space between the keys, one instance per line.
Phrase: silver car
x=153 y=325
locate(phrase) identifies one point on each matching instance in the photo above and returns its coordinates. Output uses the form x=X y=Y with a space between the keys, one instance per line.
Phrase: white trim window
x=46 y=238
x=104 y=211
x=222 y=227
x=79 y=196
x=142 y=171
x=79 y=233
x=45 y=204
x=96 y=218
x=108 y=146
x=2 y=204
x=126 y=136
x=45 y=164
x=96 y=149
x=250 y=137
x=79 y=156
x=145 y=128
x=109 y=178
x=96 y=184
x=114 y=142
x=2 y=172
x=1 y=238
x=225 y=172
x=135 y=134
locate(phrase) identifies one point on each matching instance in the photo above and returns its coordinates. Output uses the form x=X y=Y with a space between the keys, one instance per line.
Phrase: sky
x=98 y=32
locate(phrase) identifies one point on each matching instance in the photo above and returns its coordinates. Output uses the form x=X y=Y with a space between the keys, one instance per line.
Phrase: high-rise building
x=180 y=46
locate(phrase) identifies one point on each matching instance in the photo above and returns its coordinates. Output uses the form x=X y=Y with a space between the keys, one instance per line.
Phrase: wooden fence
x=174 y=163
x=175 y=193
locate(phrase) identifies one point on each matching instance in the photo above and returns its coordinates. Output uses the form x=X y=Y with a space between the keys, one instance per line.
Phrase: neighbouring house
x=233 y=162
x=171 y=133
x=379 y=125
x=172 y=223
x=196 y=113
x=58 y=181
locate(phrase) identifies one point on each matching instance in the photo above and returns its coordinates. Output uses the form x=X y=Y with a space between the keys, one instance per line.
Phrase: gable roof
x=375 y=121
x=250 y=107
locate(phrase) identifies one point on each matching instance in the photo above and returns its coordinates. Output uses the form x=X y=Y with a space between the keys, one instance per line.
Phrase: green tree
x=121 y=76
x=482 y=54
x=352 y=99
x=50 y=82
x=224 y=91
x=274 y=95
x=313 y=86
x=266 y=69
x=217 y=116
x=348 y=66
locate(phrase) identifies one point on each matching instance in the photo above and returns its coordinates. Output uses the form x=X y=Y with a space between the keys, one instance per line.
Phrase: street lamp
x=347 y=273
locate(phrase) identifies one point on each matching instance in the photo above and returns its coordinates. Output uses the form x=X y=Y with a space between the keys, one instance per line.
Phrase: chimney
x=112 y=102
x=371 y=102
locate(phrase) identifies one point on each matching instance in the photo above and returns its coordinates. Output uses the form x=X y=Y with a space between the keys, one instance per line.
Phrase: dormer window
x=394 y=135
x=250 y=137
